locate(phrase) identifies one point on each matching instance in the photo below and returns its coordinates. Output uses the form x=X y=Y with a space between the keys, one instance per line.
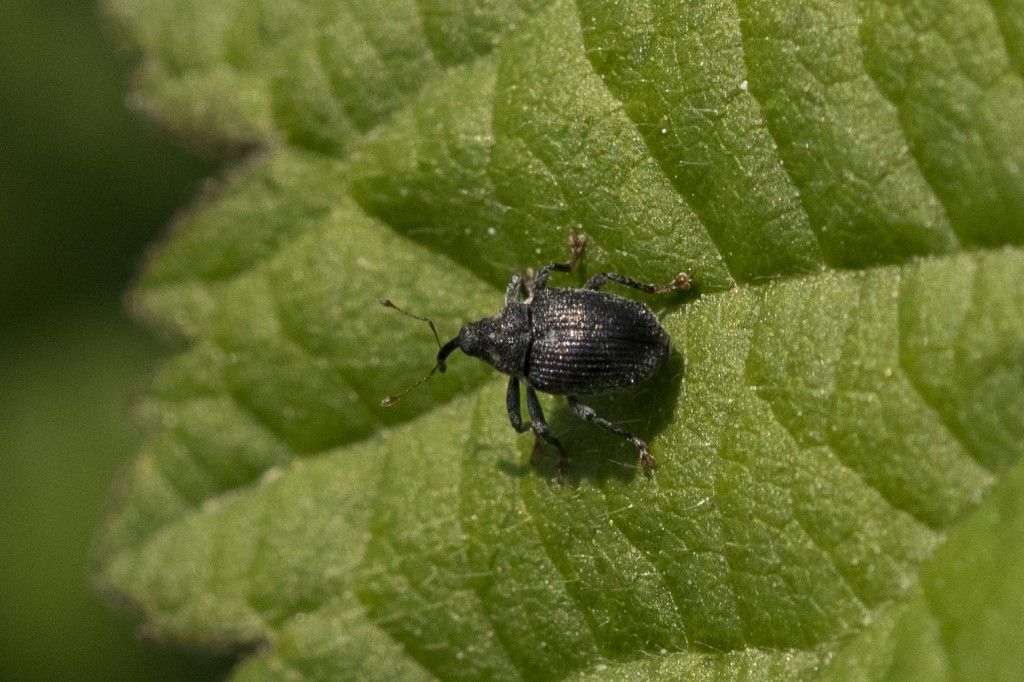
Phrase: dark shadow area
x=66 y=386
x=85 y=185
x=517 y=468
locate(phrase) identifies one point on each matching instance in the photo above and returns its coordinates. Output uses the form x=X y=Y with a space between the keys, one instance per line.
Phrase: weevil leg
x=681 y=282
x=587 y=413
x=515 y=412
x=577 y=243
x=541 y=429
x=516 y=288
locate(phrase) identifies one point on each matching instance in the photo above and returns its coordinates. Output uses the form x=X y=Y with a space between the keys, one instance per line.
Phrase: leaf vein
x=770 y=129
x=642 y=139
x=912 y=146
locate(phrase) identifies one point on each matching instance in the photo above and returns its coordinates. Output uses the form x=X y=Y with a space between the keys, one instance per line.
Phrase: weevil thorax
x=501 y=341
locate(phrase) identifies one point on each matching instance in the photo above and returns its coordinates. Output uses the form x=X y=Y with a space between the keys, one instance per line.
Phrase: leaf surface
x=838 y=429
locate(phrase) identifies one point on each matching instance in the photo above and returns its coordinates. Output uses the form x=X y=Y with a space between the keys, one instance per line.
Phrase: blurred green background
x=85 y=185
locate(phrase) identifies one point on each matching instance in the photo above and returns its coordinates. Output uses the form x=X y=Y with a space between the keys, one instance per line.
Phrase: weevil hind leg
x=542 y=430
x=586 y=413
x=681 y=282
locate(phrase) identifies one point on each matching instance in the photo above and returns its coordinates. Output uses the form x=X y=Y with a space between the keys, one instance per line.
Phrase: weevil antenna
x=392 y=399
x=388 y=304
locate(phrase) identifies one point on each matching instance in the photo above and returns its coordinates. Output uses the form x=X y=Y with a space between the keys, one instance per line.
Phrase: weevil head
x=474 y=337
x=500 y=341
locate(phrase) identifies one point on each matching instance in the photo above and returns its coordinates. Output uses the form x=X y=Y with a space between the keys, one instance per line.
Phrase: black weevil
x=569 y=342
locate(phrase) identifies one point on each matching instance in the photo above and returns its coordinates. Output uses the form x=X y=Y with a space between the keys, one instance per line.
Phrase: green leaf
x=838 y=430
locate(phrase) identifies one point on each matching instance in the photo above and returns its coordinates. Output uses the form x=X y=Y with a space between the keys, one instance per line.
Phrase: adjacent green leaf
x=844 y=182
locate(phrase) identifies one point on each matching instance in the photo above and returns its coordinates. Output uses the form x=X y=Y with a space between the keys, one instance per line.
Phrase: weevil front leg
x=516 y=288
x=577 y=242
x=681 y=282
x=541 y=429
x=587 y=413
x=515 y=416
x=515 y=412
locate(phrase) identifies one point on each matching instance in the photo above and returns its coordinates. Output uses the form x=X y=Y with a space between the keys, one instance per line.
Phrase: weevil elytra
x=561 y=341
